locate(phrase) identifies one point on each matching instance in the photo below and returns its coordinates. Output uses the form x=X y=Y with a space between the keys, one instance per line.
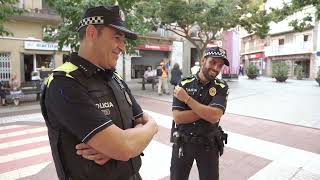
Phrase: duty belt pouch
x=173 y=130
x=221 y=139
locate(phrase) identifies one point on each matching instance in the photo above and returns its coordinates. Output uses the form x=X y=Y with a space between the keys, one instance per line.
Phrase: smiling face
x=211 y=67
x=108 y=45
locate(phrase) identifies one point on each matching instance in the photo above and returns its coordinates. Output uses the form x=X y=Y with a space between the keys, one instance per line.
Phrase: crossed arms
x=198 y=110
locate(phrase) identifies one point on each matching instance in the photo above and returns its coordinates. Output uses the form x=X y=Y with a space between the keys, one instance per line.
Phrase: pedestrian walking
x=198 y=104
x=175 y=75
x=96 y=128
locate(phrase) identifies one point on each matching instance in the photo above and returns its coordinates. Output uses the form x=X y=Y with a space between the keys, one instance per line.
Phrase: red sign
x=255 y=56
x=148 y=47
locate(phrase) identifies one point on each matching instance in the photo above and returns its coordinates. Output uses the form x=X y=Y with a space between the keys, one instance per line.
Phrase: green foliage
x=280 y=69
x=71 y=11
x=299 y=72
x=251 y=69
x=207 y=17
x=295 y=6
x=7 y=9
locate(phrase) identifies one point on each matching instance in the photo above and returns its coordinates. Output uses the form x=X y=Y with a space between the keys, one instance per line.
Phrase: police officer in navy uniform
x=96 y=128
x=198 y=104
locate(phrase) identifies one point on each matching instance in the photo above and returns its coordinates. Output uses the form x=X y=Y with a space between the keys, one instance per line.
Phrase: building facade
x=25 y=53
x=252 y=51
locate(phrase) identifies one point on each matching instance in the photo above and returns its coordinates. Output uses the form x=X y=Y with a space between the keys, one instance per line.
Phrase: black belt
x=194 y=139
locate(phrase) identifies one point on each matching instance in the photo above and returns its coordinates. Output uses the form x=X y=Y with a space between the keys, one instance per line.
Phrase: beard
x=209 y=76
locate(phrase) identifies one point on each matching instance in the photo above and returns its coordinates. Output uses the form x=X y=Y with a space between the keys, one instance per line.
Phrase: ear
x=90 y=32
x=202 y=61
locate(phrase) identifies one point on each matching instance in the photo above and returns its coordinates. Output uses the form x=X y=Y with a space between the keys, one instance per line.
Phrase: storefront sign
x=254 y=56
x=154 y=47
x=43 y=46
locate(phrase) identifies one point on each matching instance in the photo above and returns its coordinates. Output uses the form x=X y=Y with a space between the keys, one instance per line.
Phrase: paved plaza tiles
x=25 y=152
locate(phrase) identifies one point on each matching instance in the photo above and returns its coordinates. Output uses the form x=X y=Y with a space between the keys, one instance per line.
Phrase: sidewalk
x=259 y=147
x=294 y=102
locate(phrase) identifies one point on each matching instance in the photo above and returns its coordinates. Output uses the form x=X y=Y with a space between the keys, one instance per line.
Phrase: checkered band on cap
x=90 y=20
x=215 y=53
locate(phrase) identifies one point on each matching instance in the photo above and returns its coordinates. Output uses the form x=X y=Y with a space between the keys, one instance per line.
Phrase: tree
x=71 y=12
x=279 y=14
x=206 y=17
x=7 y=9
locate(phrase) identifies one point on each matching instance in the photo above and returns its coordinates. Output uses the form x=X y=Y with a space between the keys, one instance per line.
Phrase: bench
x=153 y=81
x=31 y=87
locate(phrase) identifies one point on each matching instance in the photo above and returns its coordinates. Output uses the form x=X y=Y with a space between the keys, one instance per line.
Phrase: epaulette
x=187 y=80
x=220 y=82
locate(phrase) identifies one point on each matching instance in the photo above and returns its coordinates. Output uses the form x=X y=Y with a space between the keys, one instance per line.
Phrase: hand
x=89 y=153
x=180 y=94
x=143 y=120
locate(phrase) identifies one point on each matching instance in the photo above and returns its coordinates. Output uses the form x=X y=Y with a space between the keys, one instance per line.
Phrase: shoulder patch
x=66 y=67
x=220 y=83
x=187 y=80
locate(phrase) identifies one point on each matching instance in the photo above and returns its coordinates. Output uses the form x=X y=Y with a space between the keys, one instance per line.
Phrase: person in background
x=149 y=75
x=195 y=68
x=163 y=79
x=14 y=83
x=2 y=93
x=175 y=75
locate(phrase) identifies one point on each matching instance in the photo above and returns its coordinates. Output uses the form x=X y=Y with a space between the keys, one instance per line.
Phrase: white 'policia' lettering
x=104 y=105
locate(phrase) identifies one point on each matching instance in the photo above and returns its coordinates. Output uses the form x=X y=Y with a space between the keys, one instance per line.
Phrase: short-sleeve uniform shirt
x=214 y=94
x=84 y=112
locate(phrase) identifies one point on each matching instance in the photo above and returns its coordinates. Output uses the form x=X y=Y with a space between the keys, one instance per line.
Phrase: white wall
x=177 y=54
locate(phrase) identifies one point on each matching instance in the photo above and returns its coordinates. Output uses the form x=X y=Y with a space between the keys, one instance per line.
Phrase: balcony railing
x=258 y=48
x=288 y=49
x=38 y=15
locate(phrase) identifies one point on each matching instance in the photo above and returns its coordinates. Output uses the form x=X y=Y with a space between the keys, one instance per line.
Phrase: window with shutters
x=5 y=66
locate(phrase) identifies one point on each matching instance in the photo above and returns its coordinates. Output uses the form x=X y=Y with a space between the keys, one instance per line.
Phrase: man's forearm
x=139 y=137
x=205 y=112
x=184 y=117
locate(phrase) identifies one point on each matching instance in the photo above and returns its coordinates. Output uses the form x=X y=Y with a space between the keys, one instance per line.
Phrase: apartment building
x=295 y=48
x=252 y=51
x=25 y=52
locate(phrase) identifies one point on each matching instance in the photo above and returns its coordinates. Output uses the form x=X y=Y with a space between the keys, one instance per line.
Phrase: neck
x=87 y=54
x=203 y=78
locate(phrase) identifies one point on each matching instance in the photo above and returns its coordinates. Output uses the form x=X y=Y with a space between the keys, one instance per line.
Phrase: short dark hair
x=82 y=31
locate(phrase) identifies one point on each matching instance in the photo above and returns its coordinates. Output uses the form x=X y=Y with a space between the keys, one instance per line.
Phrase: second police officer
x=198 y=104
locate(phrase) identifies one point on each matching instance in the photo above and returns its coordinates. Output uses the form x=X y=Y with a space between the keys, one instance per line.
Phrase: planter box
x=252 y=76
x=318 y=80
x=281 y=79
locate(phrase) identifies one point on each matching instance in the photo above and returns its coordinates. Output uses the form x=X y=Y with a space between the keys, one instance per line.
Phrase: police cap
x=106 y=15
x=217 y=52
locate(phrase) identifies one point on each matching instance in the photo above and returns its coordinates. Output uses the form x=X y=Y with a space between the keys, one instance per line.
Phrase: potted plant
x=299 y=72
x=318 y=77
x=252 y=71
x=280 y=71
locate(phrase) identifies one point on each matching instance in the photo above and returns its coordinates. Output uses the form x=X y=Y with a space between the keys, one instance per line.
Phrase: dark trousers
x=207 y=159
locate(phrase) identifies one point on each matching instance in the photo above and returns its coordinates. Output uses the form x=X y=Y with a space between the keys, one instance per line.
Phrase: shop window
x=45 y=61
x=281 y=41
